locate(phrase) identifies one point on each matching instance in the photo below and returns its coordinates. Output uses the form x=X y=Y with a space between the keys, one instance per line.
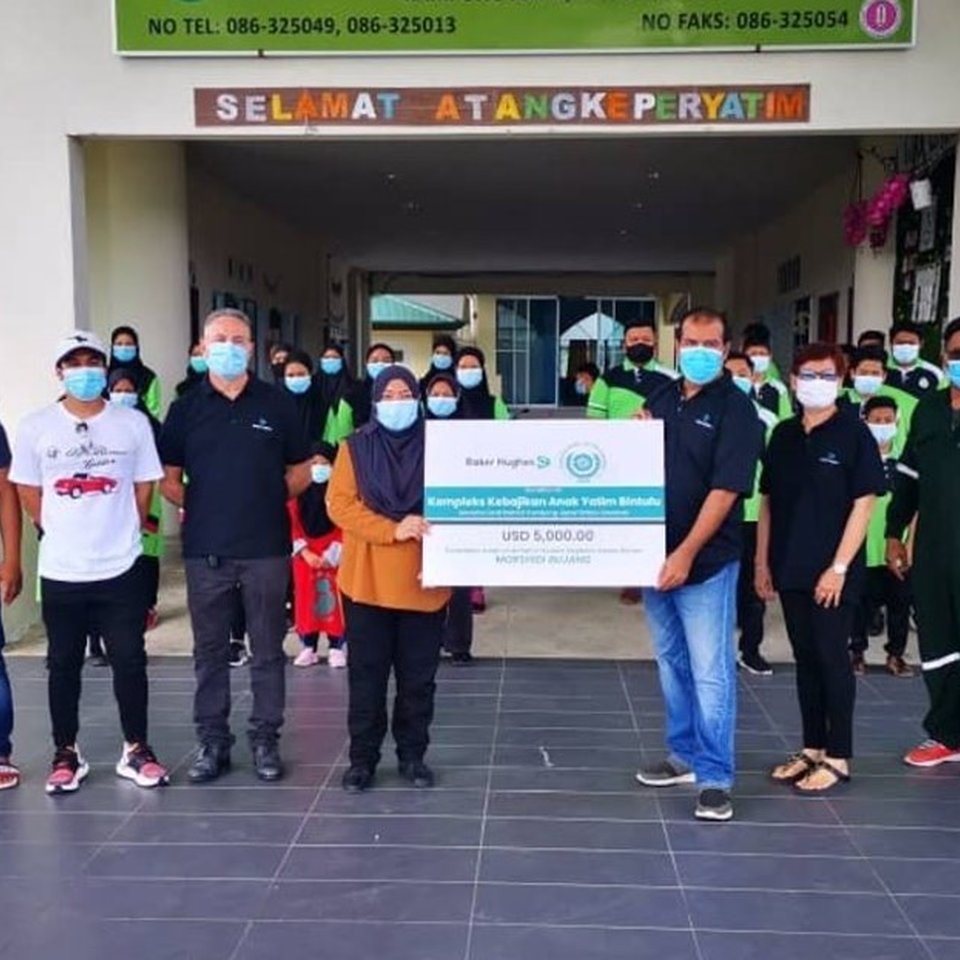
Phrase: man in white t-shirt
x=85 y=471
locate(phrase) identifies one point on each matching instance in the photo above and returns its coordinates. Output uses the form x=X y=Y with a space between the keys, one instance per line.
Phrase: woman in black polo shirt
x=821 y=475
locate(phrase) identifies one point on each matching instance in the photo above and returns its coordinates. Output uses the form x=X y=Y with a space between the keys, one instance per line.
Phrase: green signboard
x=197 y=27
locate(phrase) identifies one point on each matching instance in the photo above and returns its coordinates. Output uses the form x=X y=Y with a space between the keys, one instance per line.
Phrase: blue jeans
x=693 y=637
x=6 y=704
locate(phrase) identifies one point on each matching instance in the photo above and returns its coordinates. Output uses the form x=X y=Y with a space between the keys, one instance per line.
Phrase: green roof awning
x=389 y=312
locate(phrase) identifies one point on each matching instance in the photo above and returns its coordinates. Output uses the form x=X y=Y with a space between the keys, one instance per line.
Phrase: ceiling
x=599 y=204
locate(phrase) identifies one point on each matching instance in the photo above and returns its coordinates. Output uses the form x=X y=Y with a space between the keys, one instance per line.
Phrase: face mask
x=331 y=366
x=124 y=399
x=953 y=372
x=469 y=377
x=817 y=394
x=744 y=383
x=320 y=472
x=227 y=360
x=442 y=406
x=299 y=384
x=700 y=365
x=442 y=361
x=124 y=353
x=581 y=388
x=375 y=368
x=761 y=363
x=640 y=354
x=85 y=383
x=398 y=415
x=866 y=385
x=906 y=353
x=198 y=364
x=883 y=433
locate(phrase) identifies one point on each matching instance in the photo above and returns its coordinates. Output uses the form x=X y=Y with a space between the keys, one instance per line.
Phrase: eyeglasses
x=808 y=376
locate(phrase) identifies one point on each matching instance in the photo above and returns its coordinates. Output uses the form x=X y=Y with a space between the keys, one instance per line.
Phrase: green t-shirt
x=620 y=392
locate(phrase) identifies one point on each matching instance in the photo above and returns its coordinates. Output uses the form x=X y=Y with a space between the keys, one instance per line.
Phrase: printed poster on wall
x=261 y=27
x=523 y=503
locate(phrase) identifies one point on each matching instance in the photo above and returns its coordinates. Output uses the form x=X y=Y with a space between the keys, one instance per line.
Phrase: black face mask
x=640 y=354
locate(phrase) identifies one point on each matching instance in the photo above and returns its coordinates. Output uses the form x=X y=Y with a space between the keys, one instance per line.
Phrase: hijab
x=478 y=403
x=307 y=404
x=312 y=503
x=114 y=378
x=449 y=379
x=331 y=388
x=360 y=396
x=189 y=381
x=277 y=368
x=139 y=374
x=441 y=340
x=389 y=465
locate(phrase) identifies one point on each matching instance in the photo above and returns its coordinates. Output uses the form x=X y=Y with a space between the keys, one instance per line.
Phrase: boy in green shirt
x=883 y=589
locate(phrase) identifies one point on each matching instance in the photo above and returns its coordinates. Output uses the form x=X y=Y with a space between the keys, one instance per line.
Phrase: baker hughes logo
x=583 y=461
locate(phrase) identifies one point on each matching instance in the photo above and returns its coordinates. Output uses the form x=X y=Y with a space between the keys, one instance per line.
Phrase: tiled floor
x=536 y=842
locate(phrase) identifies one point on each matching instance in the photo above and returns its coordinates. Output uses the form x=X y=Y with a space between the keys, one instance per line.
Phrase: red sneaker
x=142 y=767
x=930 y=753
x=69 y=770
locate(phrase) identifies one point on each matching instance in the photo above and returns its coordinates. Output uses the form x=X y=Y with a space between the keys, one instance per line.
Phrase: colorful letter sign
x=258 y=27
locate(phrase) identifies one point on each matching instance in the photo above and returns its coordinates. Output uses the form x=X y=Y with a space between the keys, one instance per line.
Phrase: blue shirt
x=235 y=454
x=712 y=443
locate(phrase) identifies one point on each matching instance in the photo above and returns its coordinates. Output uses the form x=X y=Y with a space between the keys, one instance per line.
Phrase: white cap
x=79 y=340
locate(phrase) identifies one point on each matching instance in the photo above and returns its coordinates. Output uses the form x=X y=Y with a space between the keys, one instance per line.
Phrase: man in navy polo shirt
x=240 y=443
x=712 y=448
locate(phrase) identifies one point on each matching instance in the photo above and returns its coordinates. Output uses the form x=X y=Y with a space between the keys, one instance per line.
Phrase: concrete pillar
x=953 y=308
x=136 y=206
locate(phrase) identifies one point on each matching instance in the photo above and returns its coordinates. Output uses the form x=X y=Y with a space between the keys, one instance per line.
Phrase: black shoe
x=238 y=654
x=462 y=658
x=417 y=773
x=267 y=762
x=357 y=779
x=212 y=759
x=714 y=805
x=755 y=664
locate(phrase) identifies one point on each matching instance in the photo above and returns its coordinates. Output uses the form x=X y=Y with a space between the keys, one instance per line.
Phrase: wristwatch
x=840 y=569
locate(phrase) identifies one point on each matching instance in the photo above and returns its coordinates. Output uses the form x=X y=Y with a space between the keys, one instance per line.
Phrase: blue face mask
x=743 y=383
x=442 y=361
x=320 y=472
x=953 y=372
x=883 y=433
x=906 y=353
x=867 y=384
x=227 y=360
x=124 y=353
x=123 y=399
x=700 y=365
x=398 y=415
x=581 y=388
x=470 y=377
x=198 y=364
x=761 y=362
x=375 y=368
x=297 y=384
x=331 y=366
x=442 y=406
x=84 y=383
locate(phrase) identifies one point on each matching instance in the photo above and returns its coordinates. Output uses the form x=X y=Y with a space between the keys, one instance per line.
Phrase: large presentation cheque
x=544 y=503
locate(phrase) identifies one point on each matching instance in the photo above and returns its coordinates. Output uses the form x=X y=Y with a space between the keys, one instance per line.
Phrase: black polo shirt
x=812 y=481
x=713 y=442
x=918 y=382
x=235 y=454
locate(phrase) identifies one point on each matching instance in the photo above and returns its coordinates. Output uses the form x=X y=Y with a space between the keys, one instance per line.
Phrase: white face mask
x=761 y=362
x=883 y=433
x=817 y=394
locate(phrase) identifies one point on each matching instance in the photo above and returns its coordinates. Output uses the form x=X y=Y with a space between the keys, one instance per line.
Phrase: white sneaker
x=306 y=658
x=337 y=658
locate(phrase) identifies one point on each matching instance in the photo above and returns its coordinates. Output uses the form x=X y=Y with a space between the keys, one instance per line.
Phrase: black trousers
x=151 y=579
x=826 y=686
x=883 y=589
x=458 y=627
x=116 y=609
x=408 y=643
x=212 y=588
x=750 y=608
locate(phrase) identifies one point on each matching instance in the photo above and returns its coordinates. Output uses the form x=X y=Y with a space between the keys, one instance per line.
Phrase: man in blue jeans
x=10 y=582
x=713 y=440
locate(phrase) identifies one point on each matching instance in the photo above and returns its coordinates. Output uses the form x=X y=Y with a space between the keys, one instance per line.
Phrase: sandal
x=807 y=766
x=9 y=776
x=841 y=779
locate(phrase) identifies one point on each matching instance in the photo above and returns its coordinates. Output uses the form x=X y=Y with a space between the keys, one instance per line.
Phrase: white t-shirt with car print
x=87 y=470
